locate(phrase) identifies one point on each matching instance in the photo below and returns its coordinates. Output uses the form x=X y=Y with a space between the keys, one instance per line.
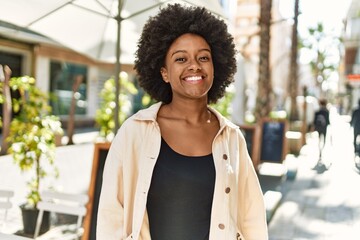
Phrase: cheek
x=173 y=73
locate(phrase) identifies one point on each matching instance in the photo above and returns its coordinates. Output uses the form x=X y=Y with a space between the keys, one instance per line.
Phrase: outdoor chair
x=64 y=203
x=6 y=236
x=5 y=205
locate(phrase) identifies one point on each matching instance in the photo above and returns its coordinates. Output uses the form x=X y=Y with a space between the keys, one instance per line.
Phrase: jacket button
x=225 y=157
x=227 y=190
x=221 y=226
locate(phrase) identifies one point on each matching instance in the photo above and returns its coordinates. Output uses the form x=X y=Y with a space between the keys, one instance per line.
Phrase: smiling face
x=189 y=67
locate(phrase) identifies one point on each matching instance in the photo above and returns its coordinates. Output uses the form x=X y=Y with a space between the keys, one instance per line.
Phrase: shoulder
x=223 y=121
x=139 y=122
x=149 y=113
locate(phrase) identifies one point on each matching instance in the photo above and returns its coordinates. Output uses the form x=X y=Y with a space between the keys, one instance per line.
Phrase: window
x=62 y=79
x=14 y=61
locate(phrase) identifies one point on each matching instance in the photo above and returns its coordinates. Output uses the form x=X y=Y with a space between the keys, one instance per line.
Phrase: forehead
x=189 y=40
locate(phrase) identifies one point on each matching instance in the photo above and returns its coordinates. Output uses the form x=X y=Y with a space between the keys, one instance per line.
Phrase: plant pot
x=29 y=217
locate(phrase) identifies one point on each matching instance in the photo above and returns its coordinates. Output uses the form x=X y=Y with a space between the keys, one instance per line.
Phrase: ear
x=164 y=75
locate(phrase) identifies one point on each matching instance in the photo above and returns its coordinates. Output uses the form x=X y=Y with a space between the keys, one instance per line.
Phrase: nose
x=194 y=66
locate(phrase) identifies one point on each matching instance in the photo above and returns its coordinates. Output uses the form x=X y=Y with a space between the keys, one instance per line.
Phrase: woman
x=179 y=170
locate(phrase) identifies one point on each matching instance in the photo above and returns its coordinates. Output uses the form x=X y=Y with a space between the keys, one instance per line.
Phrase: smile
x=193 y=79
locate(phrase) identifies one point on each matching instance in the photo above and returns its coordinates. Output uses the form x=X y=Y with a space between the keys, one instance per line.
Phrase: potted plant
x=32 y=142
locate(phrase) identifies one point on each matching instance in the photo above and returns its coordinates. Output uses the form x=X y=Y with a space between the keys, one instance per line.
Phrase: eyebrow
x=184 y=51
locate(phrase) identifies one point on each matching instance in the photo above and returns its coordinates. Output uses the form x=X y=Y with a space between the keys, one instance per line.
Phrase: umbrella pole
x=118 y=70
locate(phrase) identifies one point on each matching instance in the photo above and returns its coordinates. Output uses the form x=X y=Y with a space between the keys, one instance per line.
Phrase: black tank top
x=180 y=196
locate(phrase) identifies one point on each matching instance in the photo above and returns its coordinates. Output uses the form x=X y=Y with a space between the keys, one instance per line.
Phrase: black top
x=180 y=196
x=321 y=120
x=355 y=120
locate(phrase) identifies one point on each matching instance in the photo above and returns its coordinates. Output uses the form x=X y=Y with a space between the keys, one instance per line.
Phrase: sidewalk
x=321 y=204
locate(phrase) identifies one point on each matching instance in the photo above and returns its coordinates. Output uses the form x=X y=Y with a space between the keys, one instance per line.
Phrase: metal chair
x=4 y=236
x=65 y=203
x=5 y=204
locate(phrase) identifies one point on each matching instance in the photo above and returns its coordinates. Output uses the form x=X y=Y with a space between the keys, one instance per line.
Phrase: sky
x=330 y=12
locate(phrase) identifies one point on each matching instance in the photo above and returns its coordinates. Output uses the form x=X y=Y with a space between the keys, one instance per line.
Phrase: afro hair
x=161 y=31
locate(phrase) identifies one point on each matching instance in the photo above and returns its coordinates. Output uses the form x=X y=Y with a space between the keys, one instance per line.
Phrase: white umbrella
x=92 y=27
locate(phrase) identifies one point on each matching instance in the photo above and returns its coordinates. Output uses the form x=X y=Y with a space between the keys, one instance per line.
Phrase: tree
x=293 y=74
x=71 y=122
x=32 y=135
x=105 y=114
x=323 y=47
x=264 y=92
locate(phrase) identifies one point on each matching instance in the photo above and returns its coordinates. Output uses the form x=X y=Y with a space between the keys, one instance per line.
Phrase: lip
x=193 y=79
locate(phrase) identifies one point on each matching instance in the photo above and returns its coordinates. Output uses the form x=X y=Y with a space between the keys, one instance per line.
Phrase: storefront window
x=63 y=77
x=14 y=61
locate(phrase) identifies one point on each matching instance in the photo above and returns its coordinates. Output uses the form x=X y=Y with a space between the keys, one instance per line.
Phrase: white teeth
x=194 y=78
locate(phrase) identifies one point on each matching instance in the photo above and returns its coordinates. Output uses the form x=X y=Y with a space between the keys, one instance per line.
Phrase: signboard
x=354 y=79
x=100 y=153
x=251 y=134
x=273 y=140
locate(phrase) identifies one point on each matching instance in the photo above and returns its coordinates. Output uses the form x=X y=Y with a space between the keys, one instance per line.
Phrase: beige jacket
x=238 y=210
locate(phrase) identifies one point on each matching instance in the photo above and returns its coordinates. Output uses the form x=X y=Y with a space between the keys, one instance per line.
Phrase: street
x=322 y=204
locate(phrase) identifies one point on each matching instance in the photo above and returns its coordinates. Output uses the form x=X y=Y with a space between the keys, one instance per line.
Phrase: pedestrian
x=321 y=123
x=179 y=170
x=355 y=124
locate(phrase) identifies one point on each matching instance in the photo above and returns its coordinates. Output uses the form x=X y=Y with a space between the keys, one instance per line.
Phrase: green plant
x=105 y=114
x=32 y=135
x=323 y=49
x=223 y=105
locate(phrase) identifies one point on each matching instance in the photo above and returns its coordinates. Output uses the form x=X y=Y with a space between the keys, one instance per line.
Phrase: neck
x=196 y=113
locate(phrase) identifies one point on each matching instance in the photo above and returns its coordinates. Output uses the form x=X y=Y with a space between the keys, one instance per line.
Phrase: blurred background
x=71 y=63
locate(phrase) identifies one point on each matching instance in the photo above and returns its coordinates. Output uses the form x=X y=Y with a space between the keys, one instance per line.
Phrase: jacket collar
x=150 y=114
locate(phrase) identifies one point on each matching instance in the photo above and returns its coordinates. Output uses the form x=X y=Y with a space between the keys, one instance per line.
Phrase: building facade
x=246 y=32
x=55 y=69
x=350 y=68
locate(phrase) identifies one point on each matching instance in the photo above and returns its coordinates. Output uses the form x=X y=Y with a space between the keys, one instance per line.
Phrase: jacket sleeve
x=110 y=218
x=252 y=211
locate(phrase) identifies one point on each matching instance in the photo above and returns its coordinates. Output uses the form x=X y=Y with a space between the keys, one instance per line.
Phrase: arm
x=252 y=207
x=110 y=223
x=352 y=121
x=327 y=118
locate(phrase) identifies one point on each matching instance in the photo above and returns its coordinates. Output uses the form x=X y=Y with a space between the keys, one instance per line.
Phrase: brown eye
x=180 y=59
x=204 y=59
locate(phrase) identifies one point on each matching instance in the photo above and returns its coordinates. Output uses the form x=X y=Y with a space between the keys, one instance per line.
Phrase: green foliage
x=32 y=134
x=276 y=115
x=105 y=114
x=324 y=50
x=223 y=105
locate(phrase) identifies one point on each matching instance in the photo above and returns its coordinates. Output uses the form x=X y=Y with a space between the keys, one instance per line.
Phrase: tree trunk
x=71 y=122
x=293 y=74
x=7 y=109
x=263 y=101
